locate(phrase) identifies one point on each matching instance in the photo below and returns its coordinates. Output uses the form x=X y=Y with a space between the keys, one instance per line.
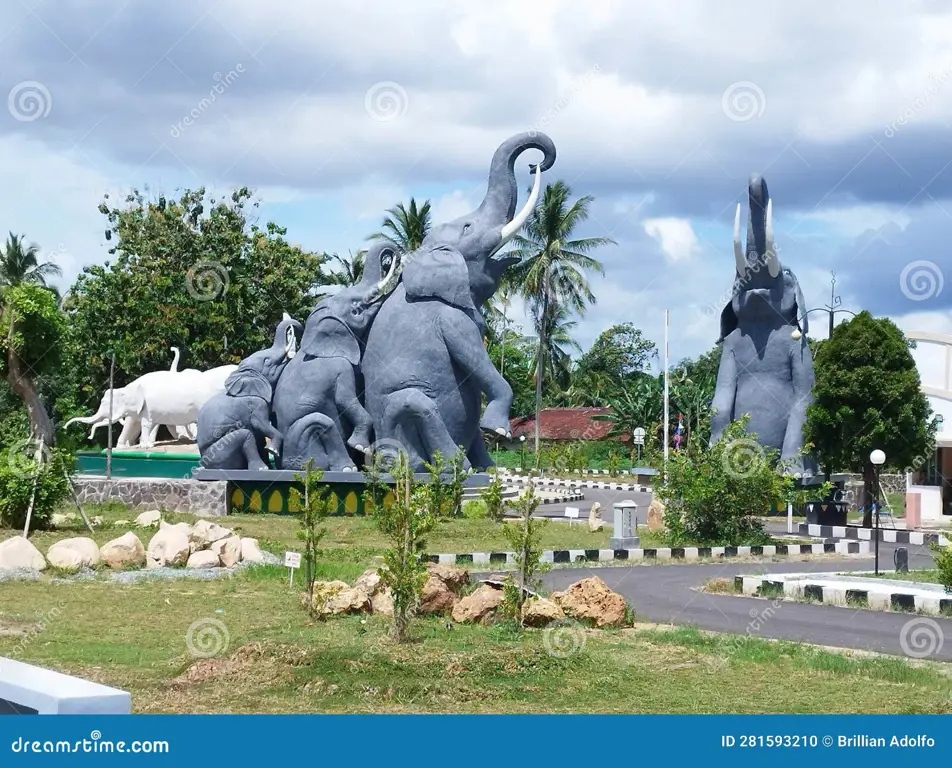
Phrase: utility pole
x=112 y=377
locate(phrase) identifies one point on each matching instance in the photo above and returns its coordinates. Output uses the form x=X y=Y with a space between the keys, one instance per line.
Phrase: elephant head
x=478 y=236
x=257 y=374
x=764 y=290
x=125 y=401
x=338 y=323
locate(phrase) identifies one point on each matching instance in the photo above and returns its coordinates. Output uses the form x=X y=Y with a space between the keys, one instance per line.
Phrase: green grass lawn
x=274 y=658
x=927 y=576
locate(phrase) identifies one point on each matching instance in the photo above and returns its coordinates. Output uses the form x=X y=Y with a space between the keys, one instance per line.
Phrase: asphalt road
x=668 y=594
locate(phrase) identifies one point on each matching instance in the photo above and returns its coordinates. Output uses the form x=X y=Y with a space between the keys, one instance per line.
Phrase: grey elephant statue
x=316 y=402
x=766 y=367
x=233 y=425
x=425 y=366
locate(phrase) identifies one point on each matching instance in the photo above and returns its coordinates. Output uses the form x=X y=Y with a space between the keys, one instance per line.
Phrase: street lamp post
x=877 y=458
x=830 y=309
x=522 y=445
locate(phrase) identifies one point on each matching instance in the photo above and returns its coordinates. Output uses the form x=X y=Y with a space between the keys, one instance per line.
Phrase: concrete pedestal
x=623 y=533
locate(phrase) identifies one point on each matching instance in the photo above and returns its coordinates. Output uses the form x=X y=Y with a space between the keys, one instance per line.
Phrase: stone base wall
x=198 y=497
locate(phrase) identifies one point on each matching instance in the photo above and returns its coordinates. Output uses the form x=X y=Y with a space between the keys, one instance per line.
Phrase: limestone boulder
x=228 y=550
x=204 y=558
x=17 y=552
x=251 y=551
x=539 y=612
x=442 y=588
x=382 y=602
x=454 y=578
x=656 y=515
x=591 y=600
x=125 y=552
x=149 y=519
x=183 y=527
x=65 y=559
x=370 y=582
x=595 y=522
x=86 y=549
x=169 y=547
x=480 y=606
x=205 y=533
x=63 y=519
x=334 y=598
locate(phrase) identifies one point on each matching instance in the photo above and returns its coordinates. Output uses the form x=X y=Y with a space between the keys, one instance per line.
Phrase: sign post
x=638 y=437
x=292 y=560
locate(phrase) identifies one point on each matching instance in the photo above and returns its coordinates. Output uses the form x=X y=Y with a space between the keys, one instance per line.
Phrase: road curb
x=544 y=482
x=888 y=535
x=660 y=553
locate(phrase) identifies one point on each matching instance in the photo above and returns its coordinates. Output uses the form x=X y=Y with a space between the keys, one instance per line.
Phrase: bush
x=18 y=468
x=492 y=499
x=475 y=510
x=713 y=496
x=943 y=561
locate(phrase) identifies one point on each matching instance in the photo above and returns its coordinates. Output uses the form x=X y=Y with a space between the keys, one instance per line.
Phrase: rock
x=121 y=522
x=65 y=559
x=333 y=598
x=183 y=527
x=591 y=599
x=149 y=519
x=382 y=602
x=479 y=606
x=125 y=552
x=656 y=515
x=228 y=550
x=204 y=558
x=370 y=582
x=436 y=597
x=595 y=518
x=62 y=519
x=96 y=521
x=251 y=552
x=454 y=578
x=85 y=548
x=168 y=547
x=205 y=533
x=18 y=552
x=539 y=612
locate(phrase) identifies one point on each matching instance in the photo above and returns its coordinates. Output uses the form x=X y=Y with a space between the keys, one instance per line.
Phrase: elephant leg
x=235 y=450
x=130 y=431
x=305 y=440
x=415 y=419
x=478 y=454
x=465 y=345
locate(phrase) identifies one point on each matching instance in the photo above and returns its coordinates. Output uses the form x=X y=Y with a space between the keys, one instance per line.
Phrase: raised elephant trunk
x=761 y=246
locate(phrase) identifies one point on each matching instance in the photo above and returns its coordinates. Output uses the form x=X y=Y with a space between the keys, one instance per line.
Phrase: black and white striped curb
x=549 y=482
x=617 y=472
x=890 y=535
x=798 y=586
x=659 y=553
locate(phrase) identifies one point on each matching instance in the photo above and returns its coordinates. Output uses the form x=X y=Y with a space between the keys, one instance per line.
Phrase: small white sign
x=571 y=513
x=292 y=559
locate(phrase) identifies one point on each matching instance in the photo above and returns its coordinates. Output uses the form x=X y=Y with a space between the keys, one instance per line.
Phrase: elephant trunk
x=499 y=206
x=84 y=420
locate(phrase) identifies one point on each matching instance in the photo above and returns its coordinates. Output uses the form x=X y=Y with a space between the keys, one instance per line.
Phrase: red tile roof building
x=565 y=424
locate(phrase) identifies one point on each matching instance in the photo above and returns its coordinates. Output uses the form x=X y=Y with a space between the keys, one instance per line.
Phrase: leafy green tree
x=519 y=371
x=619 y=352
x=406 y=226
x=868 y=396
x=524 y=536
x=315 y=507
x=19 y=264
x=194 y=273
x=551 y=273
x=346 y=270
x=637 y=405
x=552 y=360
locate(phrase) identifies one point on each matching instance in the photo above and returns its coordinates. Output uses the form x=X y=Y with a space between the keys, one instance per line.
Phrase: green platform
x=172 y=466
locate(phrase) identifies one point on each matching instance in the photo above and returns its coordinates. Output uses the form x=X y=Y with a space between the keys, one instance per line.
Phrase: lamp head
x=877 y=458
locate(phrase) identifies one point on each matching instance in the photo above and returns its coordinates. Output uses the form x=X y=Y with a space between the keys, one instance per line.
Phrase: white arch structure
x=942 y=339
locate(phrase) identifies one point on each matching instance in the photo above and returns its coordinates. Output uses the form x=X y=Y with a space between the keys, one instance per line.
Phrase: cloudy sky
x=335 y=111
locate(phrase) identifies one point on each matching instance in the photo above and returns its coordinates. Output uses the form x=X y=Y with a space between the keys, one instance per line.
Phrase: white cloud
x=676 y=237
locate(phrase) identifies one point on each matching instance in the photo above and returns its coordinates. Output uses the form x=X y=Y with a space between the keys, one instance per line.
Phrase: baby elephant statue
x=233 y=425
x=316 y=406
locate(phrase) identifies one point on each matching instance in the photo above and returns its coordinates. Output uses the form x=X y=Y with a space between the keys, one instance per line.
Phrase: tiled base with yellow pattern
x=287 y=498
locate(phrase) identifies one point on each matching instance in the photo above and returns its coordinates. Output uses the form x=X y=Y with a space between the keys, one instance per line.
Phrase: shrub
x=19 y=472
x=524 y=537
x=475 y=509
x=943 y=562
x=314 y=509
x=713 y=496
x=492 y=499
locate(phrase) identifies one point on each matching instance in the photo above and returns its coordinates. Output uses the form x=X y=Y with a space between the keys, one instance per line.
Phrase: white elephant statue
x=172 y=398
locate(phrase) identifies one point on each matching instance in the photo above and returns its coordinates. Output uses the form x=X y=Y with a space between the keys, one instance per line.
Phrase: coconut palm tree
x=552 y=272
x=348 y=270
x=405 y=225
x=552 y=360
x=21 y=264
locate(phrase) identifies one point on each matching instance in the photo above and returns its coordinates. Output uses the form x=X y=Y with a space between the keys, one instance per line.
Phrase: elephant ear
x=728 y=321
x=801 y=307
x=332 y=338
x=136 y=398
x=438 y=273
x=247 y=382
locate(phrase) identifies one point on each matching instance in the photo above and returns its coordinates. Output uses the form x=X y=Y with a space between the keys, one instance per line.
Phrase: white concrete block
x=53 y=693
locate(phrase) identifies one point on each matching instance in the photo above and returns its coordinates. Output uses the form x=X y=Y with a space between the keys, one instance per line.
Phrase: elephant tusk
x=389 y=281
x=290 y=343
x=740 y=260
x=773 y=263
x=509 y=230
